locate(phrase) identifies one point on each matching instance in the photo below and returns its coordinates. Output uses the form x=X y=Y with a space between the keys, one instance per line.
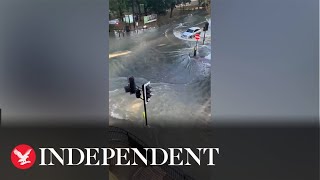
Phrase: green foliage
x=156 y=6
x=118 y=7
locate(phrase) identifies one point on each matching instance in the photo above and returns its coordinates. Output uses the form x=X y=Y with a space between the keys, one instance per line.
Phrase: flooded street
x=180 y=82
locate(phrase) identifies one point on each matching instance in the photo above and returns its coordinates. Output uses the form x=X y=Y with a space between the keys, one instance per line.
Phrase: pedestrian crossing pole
x=133 y=89
x=197 y=36
x=195 y=49
x=145 y=106
x=145 y=100
x=205 y=29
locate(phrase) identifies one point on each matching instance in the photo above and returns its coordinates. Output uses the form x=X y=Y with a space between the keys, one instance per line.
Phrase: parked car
x=114 y=22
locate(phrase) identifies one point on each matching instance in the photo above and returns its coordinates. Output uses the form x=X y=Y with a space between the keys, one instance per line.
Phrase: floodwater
x=180 y=83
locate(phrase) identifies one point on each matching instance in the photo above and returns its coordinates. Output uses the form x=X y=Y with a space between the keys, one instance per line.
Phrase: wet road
x=180 y=83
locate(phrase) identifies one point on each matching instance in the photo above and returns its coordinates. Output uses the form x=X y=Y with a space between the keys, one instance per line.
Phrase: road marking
x=119 y=53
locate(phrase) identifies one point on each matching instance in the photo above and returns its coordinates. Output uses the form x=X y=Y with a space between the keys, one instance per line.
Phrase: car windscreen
x=189 y=31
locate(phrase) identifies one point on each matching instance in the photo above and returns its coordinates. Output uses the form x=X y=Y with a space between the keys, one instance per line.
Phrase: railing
x=120 y=136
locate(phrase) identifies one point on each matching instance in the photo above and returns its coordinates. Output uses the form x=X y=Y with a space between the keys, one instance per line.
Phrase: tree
x=138 y=4
x=170 y=4
x=132 y=5
x=144 y=2
x=183 y=3
x=118 y=7
x=161 y=6
x=199 y=3
x=157 y=6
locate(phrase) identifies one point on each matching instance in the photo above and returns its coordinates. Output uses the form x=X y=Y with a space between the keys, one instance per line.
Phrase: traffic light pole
x=205 y=29
x=145 y=101
x=133 y=89
x=195 y=49
x=145 y=110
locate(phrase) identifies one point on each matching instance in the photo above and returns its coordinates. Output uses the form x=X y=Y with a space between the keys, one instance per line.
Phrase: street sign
x=197 y=36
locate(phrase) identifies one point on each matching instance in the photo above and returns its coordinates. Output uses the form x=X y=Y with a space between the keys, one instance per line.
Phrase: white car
x=191 y=32
x=114 y=22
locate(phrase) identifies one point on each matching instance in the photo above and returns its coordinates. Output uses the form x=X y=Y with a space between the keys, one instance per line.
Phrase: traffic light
x=206 y=26
x=146 y=89
x=138 y=93
x=131 y=86
x=146 y=92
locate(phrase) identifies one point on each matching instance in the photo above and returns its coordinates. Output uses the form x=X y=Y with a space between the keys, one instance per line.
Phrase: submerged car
x=191 y=32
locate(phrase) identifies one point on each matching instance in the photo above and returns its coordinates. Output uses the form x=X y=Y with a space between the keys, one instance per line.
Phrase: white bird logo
x=22 y=158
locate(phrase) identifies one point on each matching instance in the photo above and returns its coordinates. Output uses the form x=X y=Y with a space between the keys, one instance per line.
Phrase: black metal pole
x=195 y=49
x=204 y=37
x=134 y=21
x=145 y=105
x=145 y=112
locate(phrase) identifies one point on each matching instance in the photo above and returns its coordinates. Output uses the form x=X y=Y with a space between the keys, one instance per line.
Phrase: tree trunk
x=120 y=14
x=171 y=12
x=139 y=9
x=133 y=18
x=145 y=10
